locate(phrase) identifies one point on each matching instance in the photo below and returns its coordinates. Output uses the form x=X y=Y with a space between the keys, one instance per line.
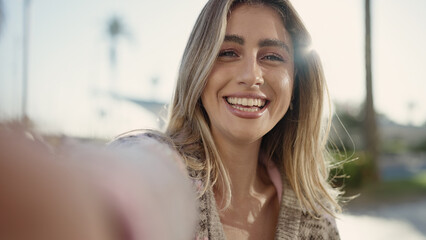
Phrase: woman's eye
x=274 y=57
x=227 y=53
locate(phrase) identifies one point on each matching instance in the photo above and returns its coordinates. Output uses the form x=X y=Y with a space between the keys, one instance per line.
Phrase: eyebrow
x=274 y=43
x=234 y=38
x=262 y=43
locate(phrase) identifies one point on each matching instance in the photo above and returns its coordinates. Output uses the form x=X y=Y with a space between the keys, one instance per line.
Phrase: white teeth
x=249 y=102
x=244 y=102
x=245 y=109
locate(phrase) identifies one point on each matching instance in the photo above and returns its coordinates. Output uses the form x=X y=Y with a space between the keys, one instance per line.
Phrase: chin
x=243 y=136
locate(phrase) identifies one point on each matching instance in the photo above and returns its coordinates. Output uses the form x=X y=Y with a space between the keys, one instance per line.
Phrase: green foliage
x=390 y=192
x=354 y=172
x=416 y=184
x=394 y=146
x=346 y=124
x=420 y=147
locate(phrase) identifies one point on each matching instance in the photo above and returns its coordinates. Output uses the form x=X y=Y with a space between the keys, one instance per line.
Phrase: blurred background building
x=95 y=69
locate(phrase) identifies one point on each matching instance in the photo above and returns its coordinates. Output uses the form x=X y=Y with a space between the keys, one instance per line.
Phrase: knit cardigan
x=293 y=222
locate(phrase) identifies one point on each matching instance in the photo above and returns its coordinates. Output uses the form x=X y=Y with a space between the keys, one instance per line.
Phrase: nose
x=250 y=73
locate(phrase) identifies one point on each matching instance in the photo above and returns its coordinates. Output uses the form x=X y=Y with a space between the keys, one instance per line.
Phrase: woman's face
x=250 y=86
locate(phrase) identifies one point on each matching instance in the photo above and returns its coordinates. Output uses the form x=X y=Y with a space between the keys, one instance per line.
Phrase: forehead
x=256 y=20
x=253 y=6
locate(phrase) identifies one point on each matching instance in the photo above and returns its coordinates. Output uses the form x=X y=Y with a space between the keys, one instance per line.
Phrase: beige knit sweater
x=293 y=222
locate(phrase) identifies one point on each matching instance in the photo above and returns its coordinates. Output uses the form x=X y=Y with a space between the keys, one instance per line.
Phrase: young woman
x=246 y=119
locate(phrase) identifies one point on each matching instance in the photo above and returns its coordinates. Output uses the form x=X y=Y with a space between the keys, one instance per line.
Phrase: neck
x=241 y=162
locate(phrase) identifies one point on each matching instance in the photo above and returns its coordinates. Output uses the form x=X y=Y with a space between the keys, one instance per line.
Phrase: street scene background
x=89 y=70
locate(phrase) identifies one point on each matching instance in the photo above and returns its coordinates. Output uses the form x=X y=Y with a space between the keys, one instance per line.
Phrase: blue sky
x=69 y=53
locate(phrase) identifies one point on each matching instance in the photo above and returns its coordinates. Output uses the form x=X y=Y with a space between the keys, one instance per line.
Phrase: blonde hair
x=301 y=150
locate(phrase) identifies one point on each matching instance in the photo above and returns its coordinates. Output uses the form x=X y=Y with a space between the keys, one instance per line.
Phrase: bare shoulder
x=147 y=140
x=147 y=143
x=137 y=138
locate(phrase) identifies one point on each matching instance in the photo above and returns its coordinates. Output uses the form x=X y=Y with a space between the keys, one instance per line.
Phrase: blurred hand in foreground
x=88 y=192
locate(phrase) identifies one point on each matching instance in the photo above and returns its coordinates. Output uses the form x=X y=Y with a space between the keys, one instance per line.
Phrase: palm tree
x=371 y=133
x=1 y=15
x=115 y=30
x=25 y=47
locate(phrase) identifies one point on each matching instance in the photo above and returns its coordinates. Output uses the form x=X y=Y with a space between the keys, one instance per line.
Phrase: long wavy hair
x=297 y=144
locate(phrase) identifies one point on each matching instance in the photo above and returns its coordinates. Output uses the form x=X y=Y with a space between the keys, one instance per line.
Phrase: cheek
x=208 y=97
x=284 y=87
x=286 y=84
x=216 y=81
x=206 y=100
x=208 y=90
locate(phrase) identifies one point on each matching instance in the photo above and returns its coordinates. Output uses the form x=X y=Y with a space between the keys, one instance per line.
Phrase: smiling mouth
x=246 y=104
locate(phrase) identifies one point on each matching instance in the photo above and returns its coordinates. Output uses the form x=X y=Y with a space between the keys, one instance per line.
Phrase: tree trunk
x=371 y=132
x=25 y=47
